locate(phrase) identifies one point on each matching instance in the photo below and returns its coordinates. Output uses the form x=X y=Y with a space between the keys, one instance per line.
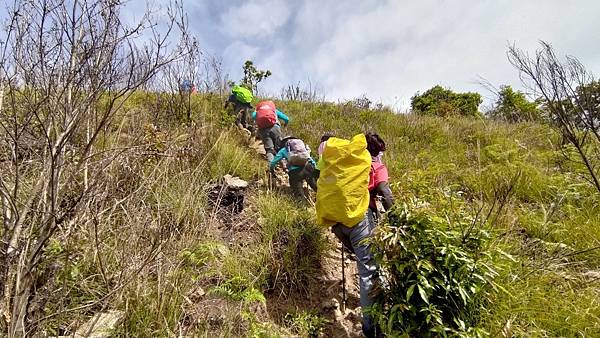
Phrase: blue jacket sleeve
x=282 y=153
x=283 y=117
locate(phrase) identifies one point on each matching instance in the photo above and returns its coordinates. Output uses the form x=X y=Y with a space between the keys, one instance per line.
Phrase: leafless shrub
x=66 y=69
x=297 y=92
x=571 y=96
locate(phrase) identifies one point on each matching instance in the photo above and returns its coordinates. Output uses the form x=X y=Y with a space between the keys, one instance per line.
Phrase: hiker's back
x=298 y=152
x=242 y=94
x=342 y=194
x=266 y=114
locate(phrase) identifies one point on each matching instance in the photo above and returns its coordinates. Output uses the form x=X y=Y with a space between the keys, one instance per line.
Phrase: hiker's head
x=324 y=139
x=375 y=144
x=327 y=136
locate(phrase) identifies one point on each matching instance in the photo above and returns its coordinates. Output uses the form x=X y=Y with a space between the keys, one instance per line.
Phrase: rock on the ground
x=331 y=304
x=101 y=325
x=258 y=147
x=235 y=183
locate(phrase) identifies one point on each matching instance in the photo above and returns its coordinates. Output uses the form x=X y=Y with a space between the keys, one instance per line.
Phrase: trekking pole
x=343 y=281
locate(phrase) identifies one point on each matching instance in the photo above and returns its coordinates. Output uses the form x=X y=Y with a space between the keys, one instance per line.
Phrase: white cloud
x=238 y=52
x=255 y=19
x=398 y=48
x=389 y=50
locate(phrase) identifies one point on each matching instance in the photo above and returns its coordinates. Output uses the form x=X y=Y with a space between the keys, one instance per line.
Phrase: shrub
x=513 y=106
x=444 y=102
x=439 y=275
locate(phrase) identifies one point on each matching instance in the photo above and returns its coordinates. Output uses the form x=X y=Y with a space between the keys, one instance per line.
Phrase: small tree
x=513 y=106
x=571 y=97
x=444 y=102
x=252 y=76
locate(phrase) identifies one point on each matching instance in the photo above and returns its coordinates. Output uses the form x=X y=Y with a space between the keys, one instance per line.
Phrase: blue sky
x=389 y=50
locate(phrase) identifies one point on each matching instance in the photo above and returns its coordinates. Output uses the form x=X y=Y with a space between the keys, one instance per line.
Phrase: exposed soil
x=324 y=294
x=235 y=214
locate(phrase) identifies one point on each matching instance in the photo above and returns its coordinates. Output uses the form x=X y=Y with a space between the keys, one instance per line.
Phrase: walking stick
x=343 y=281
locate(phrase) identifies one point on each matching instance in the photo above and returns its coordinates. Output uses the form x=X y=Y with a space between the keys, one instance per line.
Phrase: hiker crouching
x=300 y=165
x=267 y=120
x=241 y=100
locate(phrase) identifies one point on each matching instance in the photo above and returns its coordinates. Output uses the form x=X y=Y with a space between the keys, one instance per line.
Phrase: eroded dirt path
x=324 y=294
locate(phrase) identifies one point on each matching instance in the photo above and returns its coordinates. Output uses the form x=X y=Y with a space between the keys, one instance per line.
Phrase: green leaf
x=410 y=292
x=423 y=294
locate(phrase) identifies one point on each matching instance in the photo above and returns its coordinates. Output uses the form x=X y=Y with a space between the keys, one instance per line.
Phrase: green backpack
x=242 y=94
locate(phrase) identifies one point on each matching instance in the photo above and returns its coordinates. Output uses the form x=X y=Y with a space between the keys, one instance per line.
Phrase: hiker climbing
x=300 y=165
x=378 y=176
x=241 y=99
x=320 y=150
x=267 y=120
x=343 y=203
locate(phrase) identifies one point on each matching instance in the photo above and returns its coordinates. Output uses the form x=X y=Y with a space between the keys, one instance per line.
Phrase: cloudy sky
x=389 y=50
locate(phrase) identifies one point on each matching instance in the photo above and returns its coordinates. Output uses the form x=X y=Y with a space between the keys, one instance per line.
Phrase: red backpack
x=266 y=116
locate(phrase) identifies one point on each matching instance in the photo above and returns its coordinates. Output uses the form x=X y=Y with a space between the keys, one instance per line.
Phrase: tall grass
x=550 y=291
x=161 y=252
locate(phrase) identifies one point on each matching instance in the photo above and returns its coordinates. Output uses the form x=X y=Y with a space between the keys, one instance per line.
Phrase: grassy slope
x=213 y=269
x=552 y=291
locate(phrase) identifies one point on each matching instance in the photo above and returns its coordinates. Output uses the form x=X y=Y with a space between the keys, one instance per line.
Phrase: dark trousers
x=271 y=138
x=354 y=239
x=297 y=177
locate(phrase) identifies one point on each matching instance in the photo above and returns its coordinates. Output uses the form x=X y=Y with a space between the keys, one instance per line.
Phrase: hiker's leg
x=275 y=134
x=295 y=178
x=244 y=117
x=265 y=136
x=240 y=120
x=367 y=269
x=309 y=176
x=342 y=233
x=270 y=154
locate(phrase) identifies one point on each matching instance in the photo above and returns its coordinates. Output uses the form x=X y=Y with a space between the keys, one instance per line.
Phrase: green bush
x=513 y=106
x=439 y=275
x=443 y=102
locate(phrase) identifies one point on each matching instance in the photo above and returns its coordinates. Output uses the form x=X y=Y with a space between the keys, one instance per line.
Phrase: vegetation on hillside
x=443 y=102
x=112 y=197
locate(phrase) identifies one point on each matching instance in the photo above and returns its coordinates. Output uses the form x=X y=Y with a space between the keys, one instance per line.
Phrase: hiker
x=378 y=176
x=241 y=99
x=343 y=203
x=320 y=151
x=300 y=165
x=267 y=120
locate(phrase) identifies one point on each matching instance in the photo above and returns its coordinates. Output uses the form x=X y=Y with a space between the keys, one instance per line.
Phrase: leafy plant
x=203 y=253
x=306 y=323
x=513 y=106
x=443 y=102
x=252 y=76
x=239 y=289
x=439 y=272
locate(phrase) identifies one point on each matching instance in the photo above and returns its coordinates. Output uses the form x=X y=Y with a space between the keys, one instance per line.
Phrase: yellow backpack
x=342 y=188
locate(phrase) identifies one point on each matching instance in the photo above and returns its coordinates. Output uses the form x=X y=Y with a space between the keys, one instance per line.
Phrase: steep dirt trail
x=324 y=295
